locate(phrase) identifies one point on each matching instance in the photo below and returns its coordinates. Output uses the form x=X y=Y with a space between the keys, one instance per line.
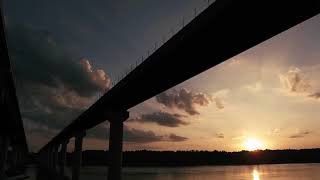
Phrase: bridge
x=12 y=135
x=225 y=29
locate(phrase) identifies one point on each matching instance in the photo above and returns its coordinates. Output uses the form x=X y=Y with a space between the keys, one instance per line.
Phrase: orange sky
x=267 y=93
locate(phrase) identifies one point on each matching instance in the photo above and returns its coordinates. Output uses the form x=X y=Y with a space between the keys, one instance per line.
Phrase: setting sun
x=252 y=144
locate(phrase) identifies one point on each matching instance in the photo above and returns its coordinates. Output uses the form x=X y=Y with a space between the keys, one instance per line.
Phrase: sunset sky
x=67 y=53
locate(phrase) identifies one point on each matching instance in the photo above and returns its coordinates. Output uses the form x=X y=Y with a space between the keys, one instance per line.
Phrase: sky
x=66 y=54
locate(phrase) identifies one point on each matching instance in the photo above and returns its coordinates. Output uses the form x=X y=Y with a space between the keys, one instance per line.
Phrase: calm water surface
x=256 y=172
x=259 y=172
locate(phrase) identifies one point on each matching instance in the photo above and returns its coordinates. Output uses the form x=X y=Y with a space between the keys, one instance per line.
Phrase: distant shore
x=145 y=158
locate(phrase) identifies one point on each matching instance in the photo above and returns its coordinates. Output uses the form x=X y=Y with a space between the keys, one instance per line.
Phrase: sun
x=252 y=144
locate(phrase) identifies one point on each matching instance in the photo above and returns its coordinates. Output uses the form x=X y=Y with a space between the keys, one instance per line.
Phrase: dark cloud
x=300 y=134
x=184 y=99
x=139 y=136
x=38 y=59
x=53 y=87
x=133 y=135
x=315 y=95
x=176 y=138
x=162 y=119
x=220 y=135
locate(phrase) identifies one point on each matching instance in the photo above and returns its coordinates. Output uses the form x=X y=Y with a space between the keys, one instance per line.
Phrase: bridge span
x=225 y=29
x=12 y=135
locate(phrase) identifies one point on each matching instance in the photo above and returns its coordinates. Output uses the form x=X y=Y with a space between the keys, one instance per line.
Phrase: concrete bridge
x=13 y=144
x=225 y=29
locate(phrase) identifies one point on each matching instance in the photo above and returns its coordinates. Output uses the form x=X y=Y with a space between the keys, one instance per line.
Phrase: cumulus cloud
x=300 y=134
x=98 y=77
x=38 y=59
x=162 y=119
x=295 y=81
x=184 y=99
x=53 y=87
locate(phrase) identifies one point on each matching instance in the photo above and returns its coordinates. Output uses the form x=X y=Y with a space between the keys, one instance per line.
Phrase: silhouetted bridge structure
x=225 y=29
x=12 y=136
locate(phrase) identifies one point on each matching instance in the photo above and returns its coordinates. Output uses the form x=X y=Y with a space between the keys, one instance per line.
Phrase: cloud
x=219 y=103
x=184 y=99
x=220 y=135
x=295 y=81
x=274 y=131
x=98 y=77
x=53 y=87
x=133 y=135
x=38 y=59
x=315 y=95
x=162 y=119
x=139 y=136
x=300 y=134
x=176 y=138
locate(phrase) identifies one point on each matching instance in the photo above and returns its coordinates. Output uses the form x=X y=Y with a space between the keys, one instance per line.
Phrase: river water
x=244 y=172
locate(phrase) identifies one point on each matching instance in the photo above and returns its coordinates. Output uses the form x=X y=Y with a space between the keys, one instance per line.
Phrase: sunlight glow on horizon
x=252 y=144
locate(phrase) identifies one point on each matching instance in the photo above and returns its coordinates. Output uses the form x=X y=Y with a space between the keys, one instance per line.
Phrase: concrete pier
x=77 y=156
x=55 y=159
x=115 y=145
x=63 y=157
x=4 y=143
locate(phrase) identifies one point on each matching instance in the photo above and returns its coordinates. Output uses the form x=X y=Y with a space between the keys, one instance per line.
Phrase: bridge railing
x=184 y=20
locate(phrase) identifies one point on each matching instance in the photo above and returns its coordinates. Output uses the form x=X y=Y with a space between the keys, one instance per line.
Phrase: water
x=258 y=172
x=255 y=172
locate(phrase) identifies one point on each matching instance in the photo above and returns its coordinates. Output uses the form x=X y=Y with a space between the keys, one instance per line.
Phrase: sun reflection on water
x=255 y=175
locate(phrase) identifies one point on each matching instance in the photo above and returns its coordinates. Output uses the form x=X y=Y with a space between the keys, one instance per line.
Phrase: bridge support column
x=50 y=154
x=63 y=157
x=55 y=158
x=77 y=156
x=15 y=154
x=21 y=158
x=48 y=158
x=115 y=145
x=4 y=143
